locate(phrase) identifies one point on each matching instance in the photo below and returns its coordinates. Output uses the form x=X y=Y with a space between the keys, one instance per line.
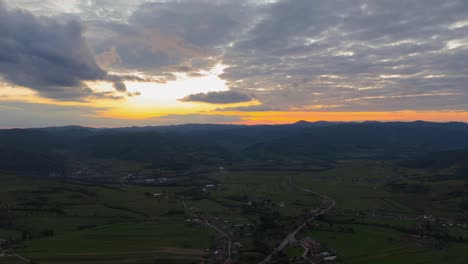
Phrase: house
x=237 y=244
x=162 y=180
x=309 y=243
x=330 y=258
x=148 y=181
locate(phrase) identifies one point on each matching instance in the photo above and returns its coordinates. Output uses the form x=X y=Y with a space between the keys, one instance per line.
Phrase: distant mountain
x=161 y=149
x=366 y=139
x=183 y=146
x=30 y=152
x=303 y=123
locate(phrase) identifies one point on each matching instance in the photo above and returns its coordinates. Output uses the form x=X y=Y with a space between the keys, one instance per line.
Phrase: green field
x=368 y=245
x=64 y=221
x=98 y=223
x=133 y=242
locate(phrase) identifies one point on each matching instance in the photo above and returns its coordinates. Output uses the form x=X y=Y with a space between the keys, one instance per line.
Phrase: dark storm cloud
x=48 y=55
x=227 y=97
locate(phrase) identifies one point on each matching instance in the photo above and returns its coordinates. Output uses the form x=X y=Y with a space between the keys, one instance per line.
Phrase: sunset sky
x=113 y=63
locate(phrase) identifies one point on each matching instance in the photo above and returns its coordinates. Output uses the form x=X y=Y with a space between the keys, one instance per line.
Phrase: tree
x=25 y=235
x=47 y=232
x=464 y=205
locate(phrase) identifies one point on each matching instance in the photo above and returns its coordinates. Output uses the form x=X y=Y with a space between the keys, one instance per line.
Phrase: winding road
x=16 y=255
x=222 y=233
x=292 y=236
x=229 y=241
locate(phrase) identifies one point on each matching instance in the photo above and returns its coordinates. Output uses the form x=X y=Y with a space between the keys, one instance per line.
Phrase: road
x=16 y=255
x=225 y=235
x=222 y=233
x=292 y=236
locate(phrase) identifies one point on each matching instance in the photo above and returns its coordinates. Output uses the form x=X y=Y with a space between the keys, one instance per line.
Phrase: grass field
x=135 y=242
x=273 y=186
x=369 y=245
x=99 y=224
x=113 y=223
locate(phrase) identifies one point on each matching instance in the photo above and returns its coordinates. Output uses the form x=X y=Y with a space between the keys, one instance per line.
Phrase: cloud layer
x=289 y=55
x=302 y=54
x=50 y=56
x=225 y=97
x=355 y=55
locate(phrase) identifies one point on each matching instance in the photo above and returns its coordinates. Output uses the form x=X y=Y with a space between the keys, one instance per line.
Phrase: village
x=4 y=248
x=314 y=252
x=226 y=243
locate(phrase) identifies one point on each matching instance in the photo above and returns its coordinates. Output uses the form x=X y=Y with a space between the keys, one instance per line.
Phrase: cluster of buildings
x=406 y=218
x=219 y=253
x=227 y=243
x=208 y=187
x=149 y=181
x=444 y=222
x=85 y=172
x=314 y=252
x=5 y=249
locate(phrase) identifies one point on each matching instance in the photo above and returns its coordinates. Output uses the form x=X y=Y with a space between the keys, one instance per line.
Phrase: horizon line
x=244 y=125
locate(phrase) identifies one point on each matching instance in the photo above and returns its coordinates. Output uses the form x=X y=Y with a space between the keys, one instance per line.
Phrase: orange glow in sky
x=142 y=62
x=254 y=118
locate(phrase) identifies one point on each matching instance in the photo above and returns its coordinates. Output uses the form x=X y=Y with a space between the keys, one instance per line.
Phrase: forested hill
x=46 y=149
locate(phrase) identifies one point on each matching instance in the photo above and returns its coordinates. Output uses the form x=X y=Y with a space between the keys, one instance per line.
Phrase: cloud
x=48 y=55
x=168 y=36
x=320 y=54
x=251 y=108
x=195 y=118
x=200 y=23
x=27 y=114
x=225 y=97
x=45 y=7
x=109 y=57
x=109 y=10
x=127 y=47
x=133 y=94
x=299 y=55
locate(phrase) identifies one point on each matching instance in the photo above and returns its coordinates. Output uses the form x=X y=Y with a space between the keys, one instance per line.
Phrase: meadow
x=69 y=221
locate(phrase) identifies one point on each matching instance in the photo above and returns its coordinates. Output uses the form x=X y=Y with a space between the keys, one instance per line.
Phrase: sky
x=114 y=63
